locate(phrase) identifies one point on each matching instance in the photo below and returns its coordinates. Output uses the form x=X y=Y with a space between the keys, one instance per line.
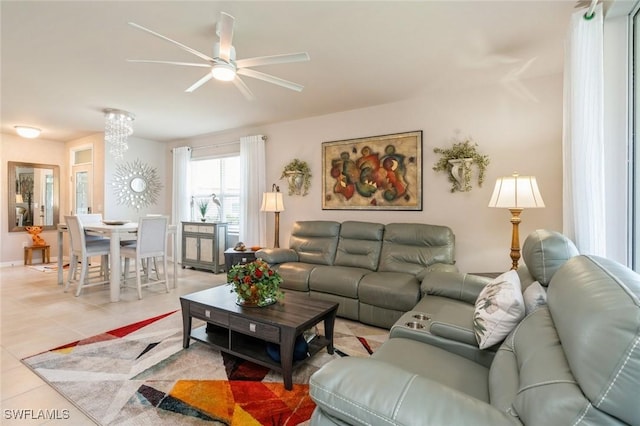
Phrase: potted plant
x=203 y=206
x=255 y=283
x=298 y=175
x=457 y=161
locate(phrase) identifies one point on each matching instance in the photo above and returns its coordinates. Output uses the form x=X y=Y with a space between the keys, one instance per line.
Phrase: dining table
x=125 y=231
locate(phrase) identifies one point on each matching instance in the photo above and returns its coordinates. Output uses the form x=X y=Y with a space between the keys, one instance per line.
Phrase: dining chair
x=81 y=253
x=151 y=244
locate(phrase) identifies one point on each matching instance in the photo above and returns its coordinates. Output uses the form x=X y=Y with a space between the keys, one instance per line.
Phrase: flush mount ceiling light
x=27 y=132
x=118 y=127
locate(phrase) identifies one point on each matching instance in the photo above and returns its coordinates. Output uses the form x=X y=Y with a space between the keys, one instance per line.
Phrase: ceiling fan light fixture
x=223 y=72
x=27 y=132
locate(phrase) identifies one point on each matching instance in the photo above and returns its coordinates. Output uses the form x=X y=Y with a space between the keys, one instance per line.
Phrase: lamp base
x=515 y=238
x=276 y=240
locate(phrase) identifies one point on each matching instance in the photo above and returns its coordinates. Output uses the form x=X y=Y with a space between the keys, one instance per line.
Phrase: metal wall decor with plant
x=457 y=162
x=298 y=175
x=136 y=184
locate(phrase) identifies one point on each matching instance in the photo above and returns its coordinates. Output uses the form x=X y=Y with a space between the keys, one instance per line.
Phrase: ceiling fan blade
x=180 y=45
x=208 y=76
x=271 y=79
x=274 y=59
x=225 y=32
x=243 y=88
x=186 y=64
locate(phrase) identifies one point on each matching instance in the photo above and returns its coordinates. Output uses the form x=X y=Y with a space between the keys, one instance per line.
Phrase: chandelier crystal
x=118 y=127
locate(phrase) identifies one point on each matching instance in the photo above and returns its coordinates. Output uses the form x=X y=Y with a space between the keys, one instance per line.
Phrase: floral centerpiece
x=255 y=283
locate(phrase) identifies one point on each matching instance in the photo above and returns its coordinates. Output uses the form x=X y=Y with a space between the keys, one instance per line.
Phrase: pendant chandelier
x=118 y=127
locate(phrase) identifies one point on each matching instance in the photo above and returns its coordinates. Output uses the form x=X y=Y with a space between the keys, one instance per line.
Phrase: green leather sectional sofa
x=373 y=270
x=572 y=361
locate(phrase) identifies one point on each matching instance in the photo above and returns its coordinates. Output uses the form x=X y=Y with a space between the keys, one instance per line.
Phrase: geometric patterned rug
x=141 y=375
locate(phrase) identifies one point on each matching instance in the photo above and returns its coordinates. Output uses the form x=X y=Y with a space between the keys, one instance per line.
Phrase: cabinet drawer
x=190 y=228
x=206 y=229
x=257 y=329
x=207 y=314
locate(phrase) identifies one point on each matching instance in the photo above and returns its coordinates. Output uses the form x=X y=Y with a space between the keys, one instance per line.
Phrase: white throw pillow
x=534 y=296
x=499 y=308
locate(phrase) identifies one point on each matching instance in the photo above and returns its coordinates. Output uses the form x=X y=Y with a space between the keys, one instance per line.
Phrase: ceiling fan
x=223 y=65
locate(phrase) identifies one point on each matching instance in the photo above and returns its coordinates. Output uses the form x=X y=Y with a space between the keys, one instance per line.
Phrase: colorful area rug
x=141 y=375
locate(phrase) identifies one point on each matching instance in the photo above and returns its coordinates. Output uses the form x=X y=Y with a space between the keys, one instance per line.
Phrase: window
x=217 y=176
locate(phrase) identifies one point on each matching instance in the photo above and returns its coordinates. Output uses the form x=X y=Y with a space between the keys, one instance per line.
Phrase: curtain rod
x=217 y=145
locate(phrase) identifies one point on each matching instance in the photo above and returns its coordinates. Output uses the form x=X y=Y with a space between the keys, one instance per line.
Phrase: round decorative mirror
x=136 y=184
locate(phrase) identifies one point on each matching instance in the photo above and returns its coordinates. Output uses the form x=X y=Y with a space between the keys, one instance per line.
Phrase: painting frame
x=373 y=173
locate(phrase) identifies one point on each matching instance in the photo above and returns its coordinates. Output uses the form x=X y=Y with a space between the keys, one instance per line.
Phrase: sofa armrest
x=442 y=267
x=465 y=287
x=346 y=389
x=274 y=256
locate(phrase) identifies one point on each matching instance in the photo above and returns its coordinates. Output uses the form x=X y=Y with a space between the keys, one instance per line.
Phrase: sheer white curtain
x=583 y=138
x=180 y=200
x=253 y=224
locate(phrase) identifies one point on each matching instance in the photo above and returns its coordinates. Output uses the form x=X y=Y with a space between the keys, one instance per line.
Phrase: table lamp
x=516 y=193
x=273 y=202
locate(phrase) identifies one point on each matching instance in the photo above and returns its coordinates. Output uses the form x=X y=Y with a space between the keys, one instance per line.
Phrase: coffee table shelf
x=248 y=347
x=245 y=332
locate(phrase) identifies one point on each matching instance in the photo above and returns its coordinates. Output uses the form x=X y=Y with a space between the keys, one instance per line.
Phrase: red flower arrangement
x=255 y=283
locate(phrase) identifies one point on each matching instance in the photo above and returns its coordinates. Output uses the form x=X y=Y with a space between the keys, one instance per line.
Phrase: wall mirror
x=34 y=195
x=136 y=184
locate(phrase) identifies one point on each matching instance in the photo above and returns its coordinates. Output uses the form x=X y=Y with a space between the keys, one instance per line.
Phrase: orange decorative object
x=35 y=231
x=255 y=248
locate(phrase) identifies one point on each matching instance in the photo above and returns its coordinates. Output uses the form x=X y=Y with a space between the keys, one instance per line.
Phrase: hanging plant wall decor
x=457 y=162
x=298 y=175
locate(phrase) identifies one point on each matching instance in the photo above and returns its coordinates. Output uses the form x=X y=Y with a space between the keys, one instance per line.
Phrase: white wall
x=149 y=153
x=518 y=135
x=15 y=148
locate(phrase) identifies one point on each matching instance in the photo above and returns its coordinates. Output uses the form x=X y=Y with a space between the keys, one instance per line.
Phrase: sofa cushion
x=498 y=309
x=595 y=306
x=359 y=244
x=436 y=364
x=295 y=275
x=339 y=280
x=413 y=247
x=315 y=241
x=544 y=252
x=391 y=290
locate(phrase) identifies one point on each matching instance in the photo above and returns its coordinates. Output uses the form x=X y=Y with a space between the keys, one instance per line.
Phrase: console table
x=203 y=245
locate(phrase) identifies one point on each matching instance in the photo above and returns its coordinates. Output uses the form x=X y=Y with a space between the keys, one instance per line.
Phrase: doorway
x=82 y=180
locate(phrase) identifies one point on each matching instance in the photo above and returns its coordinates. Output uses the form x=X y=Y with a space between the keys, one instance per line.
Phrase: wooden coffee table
x=244 y=332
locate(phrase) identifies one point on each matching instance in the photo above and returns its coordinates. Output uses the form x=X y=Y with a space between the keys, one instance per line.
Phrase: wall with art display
x=517 y=134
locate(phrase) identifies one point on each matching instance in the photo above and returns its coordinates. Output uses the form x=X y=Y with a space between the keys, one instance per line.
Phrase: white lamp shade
x=272 y=202
x=19 y=198
x=516 y=192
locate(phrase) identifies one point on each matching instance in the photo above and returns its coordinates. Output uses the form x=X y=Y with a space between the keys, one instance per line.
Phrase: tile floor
x=36 y=315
